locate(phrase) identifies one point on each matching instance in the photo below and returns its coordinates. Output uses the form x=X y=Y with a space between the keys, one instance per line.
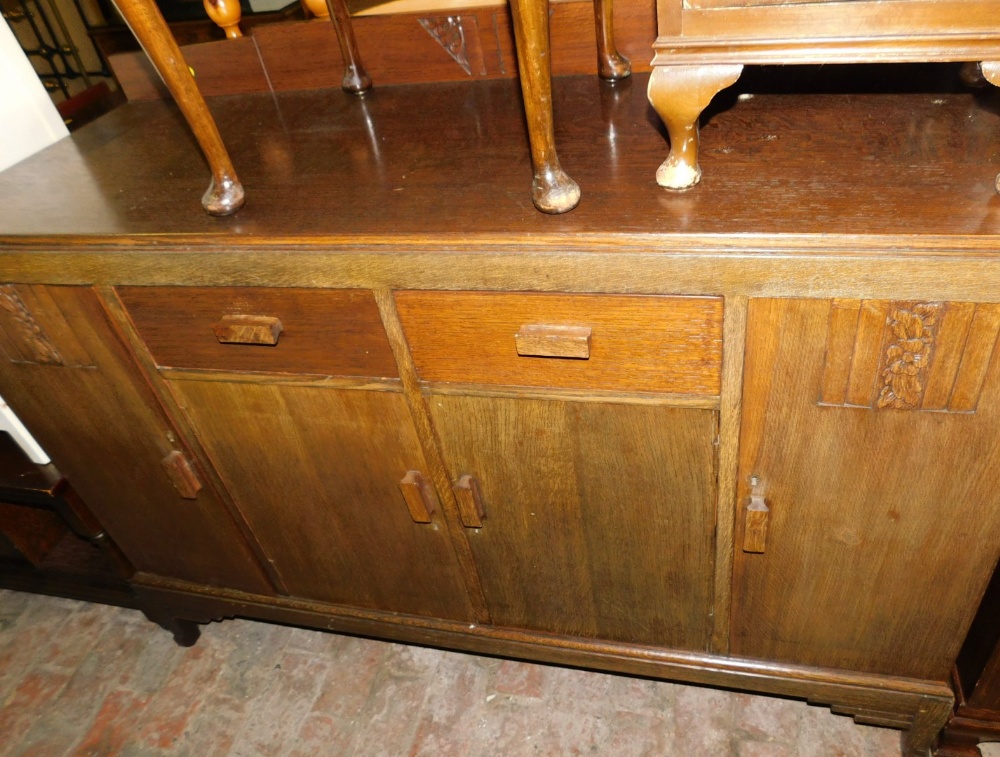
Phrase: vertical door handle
x=419 y=496
x=470 y=502
x=182 y=475
x=755 y=529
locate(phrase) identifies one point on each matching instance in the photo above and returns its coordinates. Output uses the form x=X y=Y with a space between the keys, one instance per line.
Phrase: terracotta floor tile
x=764 y=717
x=703 y=722
x=763 y=749
x=389 y=721
x=520 y=678
x=118 y=686
x=116 y=722
x=33 y=693
x=275 y=717
x=824 y=736
x=637 y=735
x=170 y=709
x=456 y=699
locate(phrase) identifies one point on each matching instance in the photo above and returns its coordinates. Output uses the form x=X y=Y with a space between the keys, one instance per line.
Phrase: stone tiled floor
x=79 y=679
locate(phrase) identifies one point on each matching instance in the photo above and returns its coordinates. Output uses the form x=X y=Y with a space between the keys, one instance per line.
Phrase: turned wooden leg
x=225 y=193
x=552 y=190
x=611 y=64
x=356 y=78
x=679 y=94
x=317 y=8
x=991 y=72
x=226 y=14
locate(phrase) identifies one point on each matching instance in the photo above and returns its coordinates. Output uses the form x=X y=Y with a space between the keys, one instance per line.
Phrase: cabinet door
x=598 y=517
x=70 y=380
x=871 y=428
x=316 y=472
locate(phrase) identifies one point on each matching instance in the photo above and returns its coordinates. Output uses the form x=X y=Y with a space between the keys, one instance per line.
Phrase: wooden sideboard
x=743 y=437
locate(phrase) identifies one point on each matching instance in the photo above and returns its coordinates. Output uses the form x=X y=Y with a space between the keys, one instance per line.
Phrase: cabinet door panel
x=872 y=428
x=68 y=377
x=316 y=472
x=598 y=517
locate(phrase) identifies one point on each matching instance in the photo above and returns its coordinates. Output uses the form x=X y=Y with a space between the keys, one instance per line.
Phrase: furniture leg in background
x=225 y=193
x=552 y=190
x=991 y=72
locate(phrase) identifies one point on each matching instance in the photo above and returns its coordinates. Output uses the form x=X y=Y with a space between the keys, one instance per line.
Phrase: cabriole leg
x=679 y=94
x=552 y=190
x=611 y=64
x=225 y=193
x=991 y=72
x=356 y=78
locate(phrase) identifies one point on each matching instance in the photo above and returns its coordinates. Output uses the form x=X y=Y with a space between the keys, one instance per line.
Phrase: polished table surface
x=451 y=160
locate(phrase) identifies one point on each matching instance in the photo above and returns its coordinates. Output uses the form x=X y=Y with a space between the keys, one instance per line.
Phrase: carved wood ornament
x=450 y=34
x=908 y=355
x=32 y=341
x=896 y=355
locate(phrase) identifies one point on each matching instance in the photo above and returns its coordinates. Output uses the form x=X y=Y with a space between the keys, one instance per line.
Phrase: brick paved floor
x=80 y=679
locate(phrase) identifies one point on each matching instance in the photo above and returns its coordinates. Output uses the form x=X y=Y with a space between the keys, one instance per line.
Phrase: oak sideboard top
x=440 y=169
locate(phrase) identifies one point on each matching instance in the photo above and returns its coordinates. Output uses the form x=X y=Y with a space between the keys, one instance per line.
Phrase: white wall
x=29 y=121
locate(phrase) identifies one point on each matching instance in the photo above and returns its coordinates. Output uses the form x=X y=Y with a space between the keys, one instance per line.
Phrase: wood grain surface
x=640 y=344
x=112 y=453
x=316 y=472
x=335 y=333
x=337 y=175
x=879 y=493
x=598 y=519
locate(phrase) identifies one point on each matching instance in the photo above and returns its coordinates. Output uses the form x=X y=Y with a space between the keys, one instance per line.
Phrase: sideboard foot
x=185 y=632
x=929 y=719
x=679 y=94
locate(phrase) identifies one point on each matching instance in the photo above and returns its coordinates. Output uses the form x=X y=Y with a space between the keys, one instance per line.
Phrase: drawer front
x=325 y=332
x=618 y=343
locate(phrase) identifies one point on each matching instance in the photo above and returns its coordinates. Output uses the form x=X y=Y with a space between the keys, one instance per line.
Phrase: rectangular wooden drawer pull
x=755 y=531
x=470 y=502
x=248 y=329
x=540 y=340
x=182 y=475
x=419 y=495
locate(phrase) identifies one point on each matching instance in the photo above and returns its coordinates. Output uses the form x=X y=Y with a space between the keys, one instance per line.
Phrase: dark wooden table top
x=452 y=159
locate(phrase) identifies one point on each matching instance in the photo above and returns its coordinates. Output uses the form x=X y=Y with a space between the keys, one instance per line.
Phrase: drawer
x=632 y=343
x=325 y=332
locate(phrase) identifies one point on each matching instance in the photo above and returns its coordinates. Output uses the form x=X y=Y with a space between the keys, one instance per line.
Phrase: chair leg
x=679 y=94
x=356 y=78
x=611 y=64
x=225 y=193
x=991 y=72
x=552 y=190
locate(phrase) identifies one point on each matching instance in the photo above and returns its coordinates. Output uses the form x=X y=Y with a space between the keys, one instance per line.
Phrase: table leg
x=225 y=193
x=356 y=78
x=552 y=190
x=991 y=72
x=611 y=64
x=679 y=94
